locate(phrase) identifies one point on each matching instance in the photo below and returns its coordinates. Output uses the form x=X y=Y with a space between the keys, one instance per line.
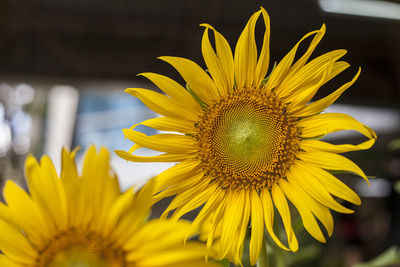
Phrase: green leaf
x=388 y=258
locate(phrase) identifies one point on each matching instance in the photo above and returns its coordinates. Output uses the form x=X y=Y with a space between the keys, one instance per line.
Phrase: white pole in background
x=61 y=114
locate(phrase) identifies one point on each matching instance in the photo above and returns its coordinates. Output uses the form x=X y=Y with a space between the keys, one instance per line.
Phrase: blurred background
x=64 y=65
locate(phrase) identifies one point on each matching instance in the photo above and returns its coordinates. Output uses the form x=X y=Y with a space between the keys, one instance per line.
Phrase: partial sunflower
x=84 y=220
x=248 y=143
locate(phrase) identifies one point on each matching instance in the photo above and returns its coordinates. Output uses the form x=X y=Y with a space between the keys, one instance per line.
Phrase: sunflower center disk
x=80 y=249
x=247 y=140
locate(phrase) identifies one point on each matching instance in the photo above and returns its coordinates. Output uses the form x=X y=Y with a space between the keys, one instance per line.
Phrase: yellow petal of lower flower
x=268 y=209
x=283 y=209
x=257 y=227
x=245 y=60
x=96 y=180
x=26 y=212
x=333 y=184
x=301 y=175
x=120 y=206
x=171 y=143
x=174 y=90
x=307 y=217
x=319 y=105
x=263 y=60
x=159 y=233
x=4 y=261
x=198 y=80
x=162 y=104
x=325 y=123
x=44 y=184
x=310 y=144
x=15 y=245
x=331 y=161
x=172 y=256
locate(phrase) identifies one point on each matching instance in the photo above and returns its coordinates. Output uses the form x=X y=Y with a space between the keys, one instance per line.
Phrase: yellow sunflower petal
x=308 y=72
x=304 y=95
x=172 y=256
x=319 y=210
x=263 y=60
x=325 y=123
x=209 y=207
x=185 y=196
x=231 y=223
x=120 y=206
x=283 y=209
x=174 y=90
x=310 y=144
x=168 y=124
x=213 y=64
x=198 y=80
x=309 y=222
x=44 y=184
x=319 y=105
x=224 y=54
x=245 y=60
x=167 y=157
x=96 y=180
x=6 y=214
x=216 y=222
x=237 y=246
x=15 y=245
x=257 y=227
x=162 y=104
x=268 y=208
x=26 y=212
x=301 y=175
x=193 y=201
x=160 y=231
x=176 y=174
x=332 y=184
x=331 y=161
x=171 y=143
x=303 y=59
x=279 y=73
x=190 y=182
x=6 y=262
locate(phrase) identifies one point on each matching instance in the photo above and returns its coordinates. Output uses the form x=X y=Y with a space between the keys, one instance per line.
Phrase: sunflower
x=84 y=220
x=245 y=143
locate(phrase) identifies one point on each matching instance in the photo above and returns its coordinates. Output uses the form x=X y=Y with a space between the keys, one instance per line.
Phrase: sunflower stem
x=263 y=258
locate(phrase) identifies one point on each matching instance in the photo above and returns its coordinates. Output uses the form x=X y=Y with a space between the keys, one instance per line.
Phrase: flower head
x=248 y=143
x=84 y=220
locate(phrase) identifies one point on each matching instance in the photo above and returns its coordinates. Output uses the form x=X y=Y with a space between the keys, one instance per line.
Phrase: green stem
x=263 y=258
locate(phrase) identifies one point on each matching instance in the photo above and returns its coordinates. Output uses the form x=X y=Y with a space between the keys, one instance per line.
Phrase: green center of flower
x=245 y=135
x=73 y=248
x=247 y=140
